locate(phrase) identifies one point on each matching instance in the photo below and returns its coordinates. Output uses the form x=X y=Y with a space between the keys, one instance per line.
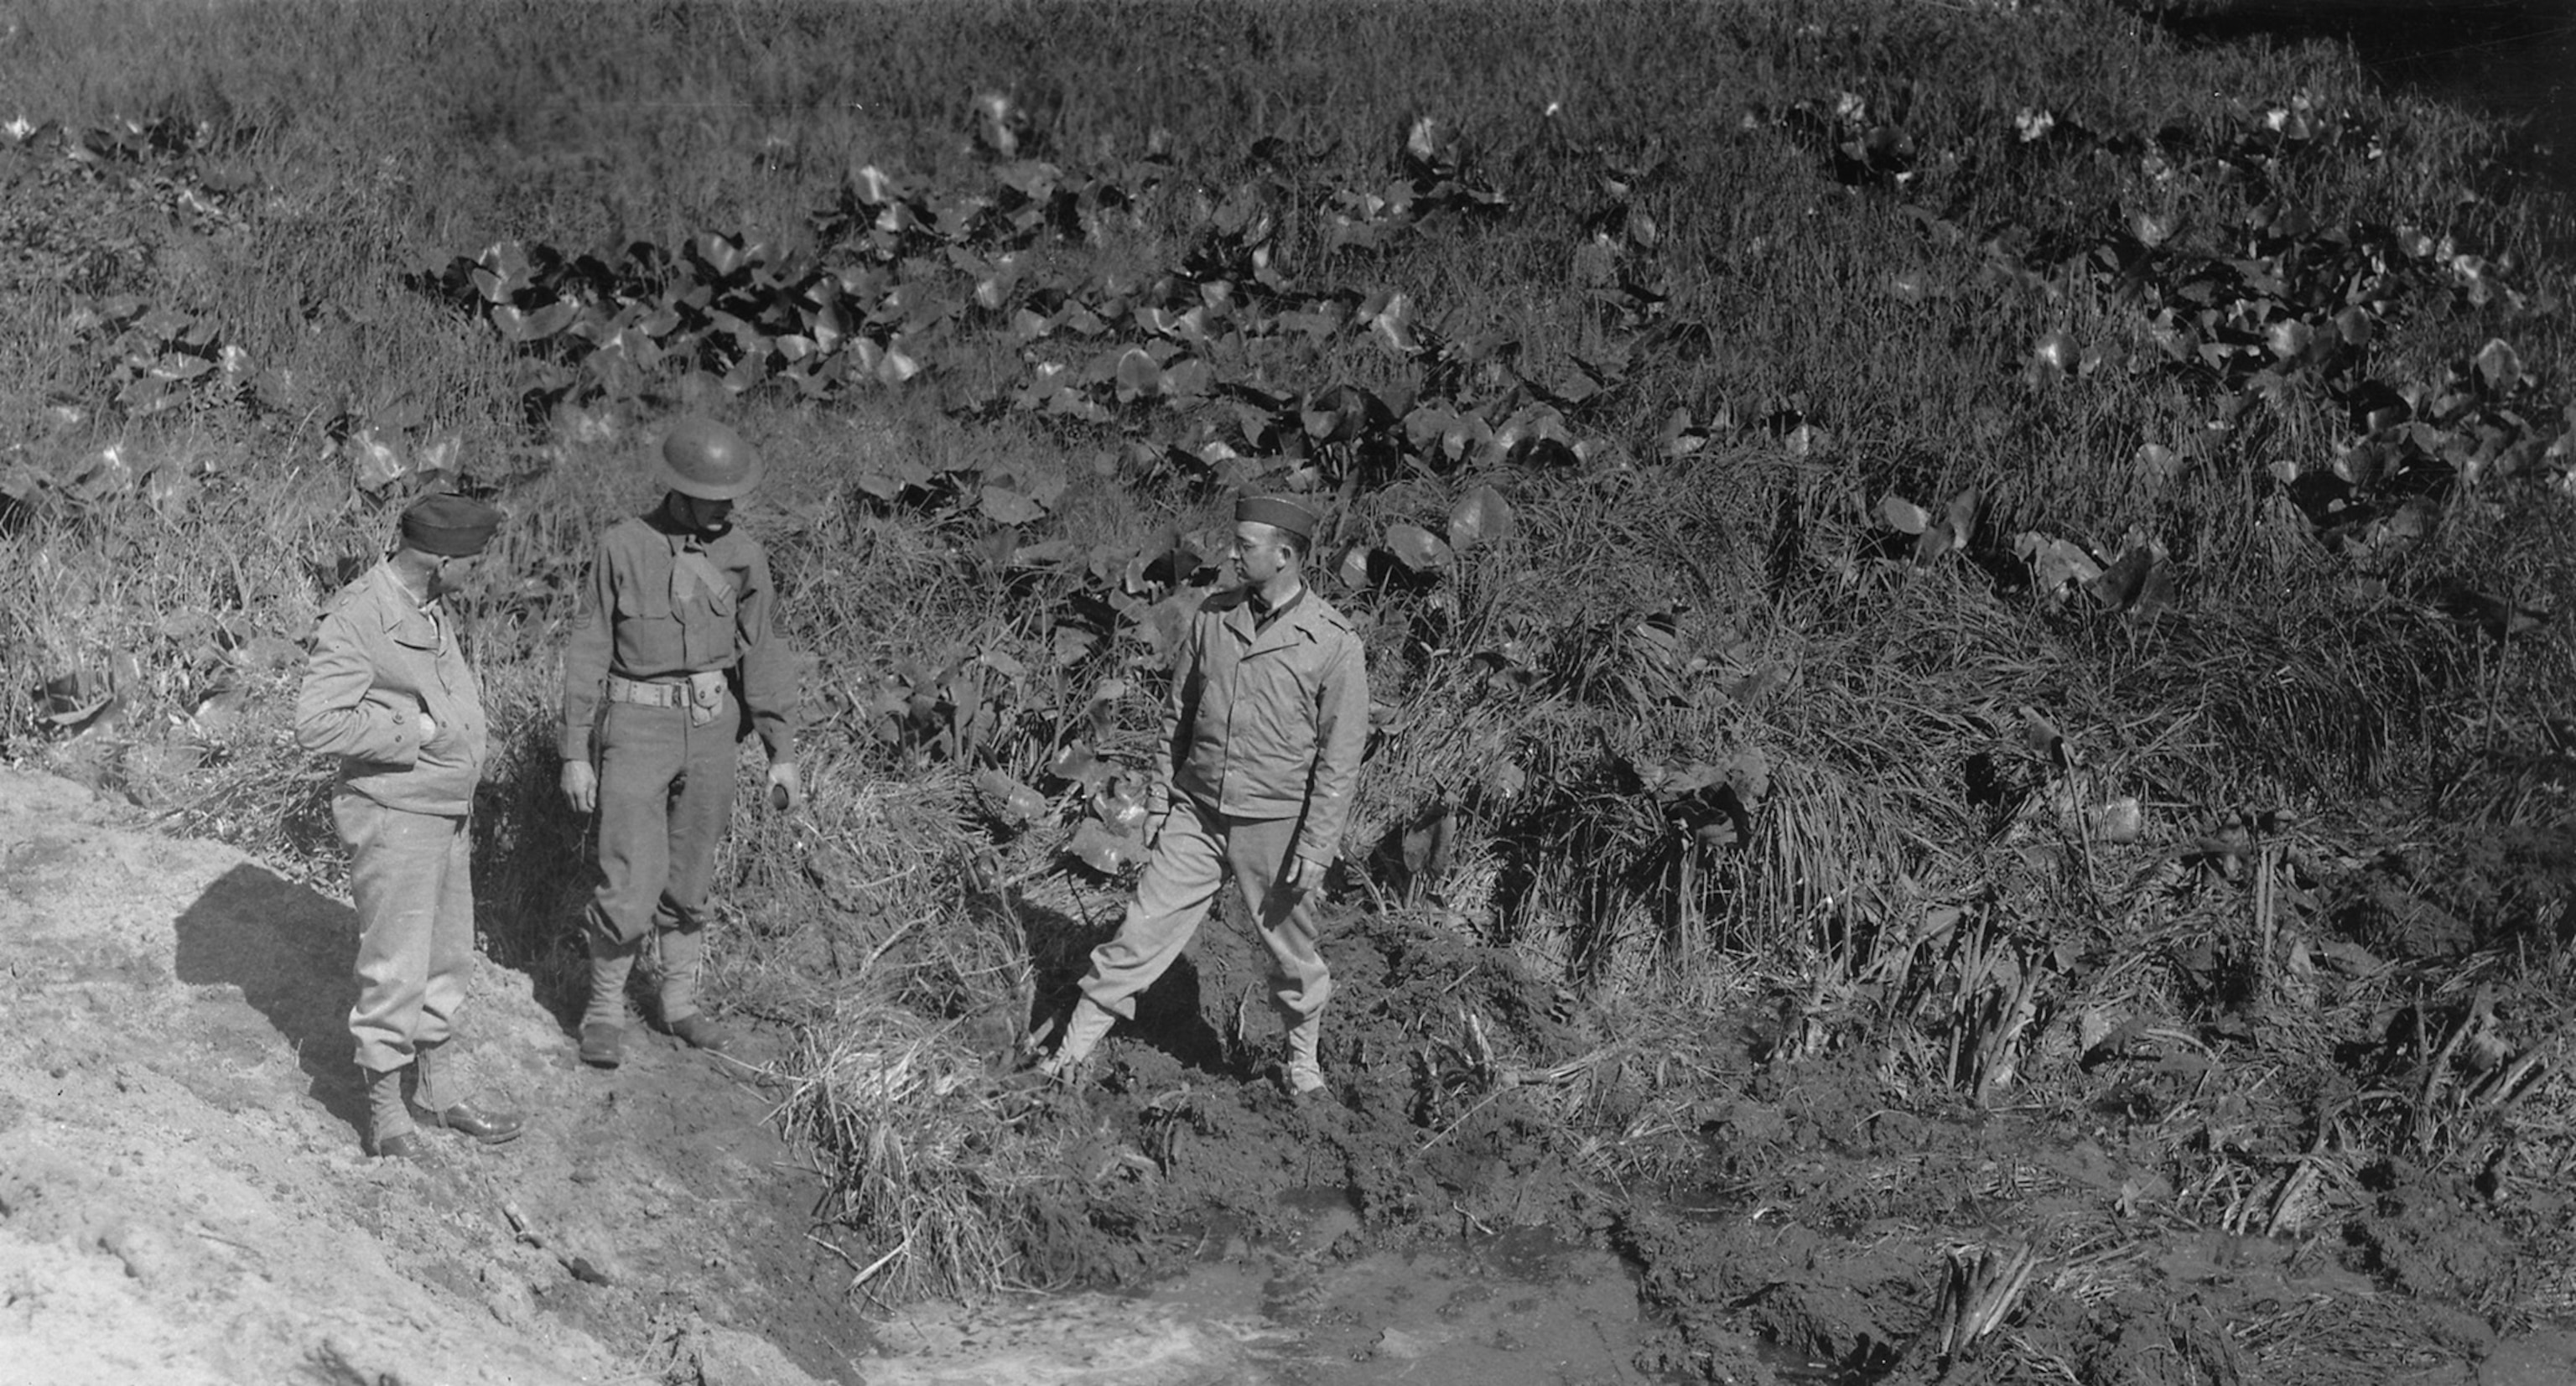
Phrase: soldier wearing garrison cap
x=1262 y=734
x=389 y=692
x=673 y=662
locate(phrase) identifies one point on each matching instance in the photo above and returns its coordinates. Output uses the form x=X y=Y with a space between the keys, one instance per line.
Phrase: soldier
x=674 y=661
x=1262 y=734
x=388 y=691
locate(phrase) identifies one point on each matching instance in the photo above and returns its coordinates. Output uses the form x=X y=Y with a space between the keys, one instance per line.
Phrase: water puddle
x=1519 y=1309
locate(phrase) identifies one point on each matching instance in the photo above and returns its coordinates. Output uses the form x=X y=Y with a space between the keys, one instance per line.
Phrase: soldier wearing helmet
x=674 y=660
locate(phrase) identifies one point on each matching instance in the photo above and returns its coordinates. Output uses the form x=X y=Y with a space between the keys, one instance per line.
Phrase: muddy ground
x=183 y=1197
x=1808 y=1210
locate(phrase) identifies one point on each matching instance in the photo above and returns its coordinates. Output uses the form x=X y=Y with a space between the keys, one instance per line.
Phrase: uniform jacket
x=1269 y=723
x=380 y=660
x=632 y=625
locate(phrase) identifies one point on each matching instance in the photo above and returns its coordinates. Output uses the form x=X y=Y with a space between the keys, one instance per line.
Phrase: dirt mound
x=183 y=1197
x=1428 y=1132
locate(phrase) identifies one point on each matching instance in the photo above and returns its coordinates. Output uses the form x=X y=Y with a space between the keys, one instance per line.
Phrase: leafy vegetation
x=2030 y=553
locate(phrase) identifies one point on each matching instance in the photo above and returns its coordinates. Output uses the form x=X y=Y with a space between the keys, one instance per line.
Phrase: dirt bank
x=183 y=1197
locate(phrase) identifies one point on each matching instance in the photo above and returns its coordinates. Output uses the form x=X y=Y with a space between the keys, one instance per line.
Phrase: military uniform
x=388 y=691
x=1263 y=730
x=673 y=661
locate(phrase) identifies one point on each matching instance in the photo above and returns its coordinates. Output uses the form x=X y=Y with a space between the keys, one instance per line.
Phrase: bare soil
x=184 y=1197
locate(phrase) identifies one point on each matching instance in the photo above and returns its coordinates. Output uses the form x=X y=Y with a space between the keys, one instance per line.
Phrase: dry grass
x=926 y=1167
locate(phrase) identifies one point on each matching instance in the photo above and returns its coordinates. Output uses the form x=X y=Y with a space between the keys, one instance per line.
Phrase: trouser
x=412 y=876
x=665 y=798
x=1198 y=849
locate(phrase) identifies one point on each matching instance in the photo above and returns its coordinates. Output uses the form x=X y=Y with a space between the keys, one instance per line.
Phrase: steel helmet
x=705 y=459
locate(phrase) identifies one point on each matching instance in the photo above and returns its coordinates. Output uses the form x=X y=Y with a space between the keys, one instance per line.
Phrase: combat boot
x=440 y=1099
x=1082 y=1034
x=1300 y=1071
x=683 y=954
x=603 y=1019
x=698 y=1032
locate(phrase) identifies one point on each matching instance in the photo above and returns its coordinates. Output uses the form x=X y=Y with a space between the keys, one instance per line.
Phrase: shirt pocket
x=641 y=600
x=706 y=628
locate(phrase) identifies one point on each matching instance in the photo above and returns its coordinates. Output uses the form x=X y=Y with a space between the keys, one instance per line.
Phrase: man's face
x=454 y=573
x=704 y=516
x=1260 y=553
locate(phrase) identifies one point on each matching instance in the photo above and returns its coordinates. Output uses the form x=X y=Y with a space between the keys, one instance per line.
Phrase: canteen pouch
x=706 y=696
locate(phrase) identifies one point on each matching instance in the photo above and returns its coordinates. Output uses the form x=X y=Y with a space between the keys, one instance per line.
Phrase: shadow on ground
x=293 y=954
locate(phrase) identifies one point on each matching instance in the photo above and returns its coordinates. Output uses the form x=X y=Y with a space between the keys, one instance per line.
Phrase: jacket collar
x=402 y=612
x=1295 y=625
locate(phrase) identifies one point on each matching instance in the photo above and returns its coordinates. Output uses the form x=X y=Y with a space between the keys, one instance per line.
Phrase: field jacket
x=1269 y=723
x=650 y=615
x=381 y=659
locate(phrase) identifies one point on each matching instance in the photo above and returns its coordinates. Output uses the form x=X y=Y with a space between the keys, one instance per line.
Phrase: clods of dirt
x=1803 y=1219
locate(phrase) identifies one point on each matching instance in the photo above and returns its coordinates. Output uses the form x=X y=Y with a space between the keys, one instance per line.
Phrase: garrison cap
x=1278 y=512
x=448 y=524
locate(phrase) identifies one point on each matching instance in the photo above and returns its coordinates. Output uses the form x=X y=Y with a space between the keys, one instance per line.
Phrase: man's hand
x=786 y=788
x=580 y=786
x=428 y=728
x=1305 y=874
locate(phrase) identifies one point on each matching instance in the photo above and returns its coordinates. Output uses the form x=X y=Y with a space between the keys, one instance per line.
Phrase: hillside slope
x=183 y=1197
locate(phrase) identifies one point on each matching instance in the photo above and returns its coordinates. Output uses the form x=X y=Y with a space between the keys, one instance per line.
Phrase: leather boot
x=1082 y=1034
x=439 y=1096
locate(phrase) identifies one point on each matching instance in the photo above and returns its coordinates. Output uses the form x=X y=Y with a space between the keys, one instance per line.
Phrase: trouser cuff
x=437 y=1082
x=387 y=1116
